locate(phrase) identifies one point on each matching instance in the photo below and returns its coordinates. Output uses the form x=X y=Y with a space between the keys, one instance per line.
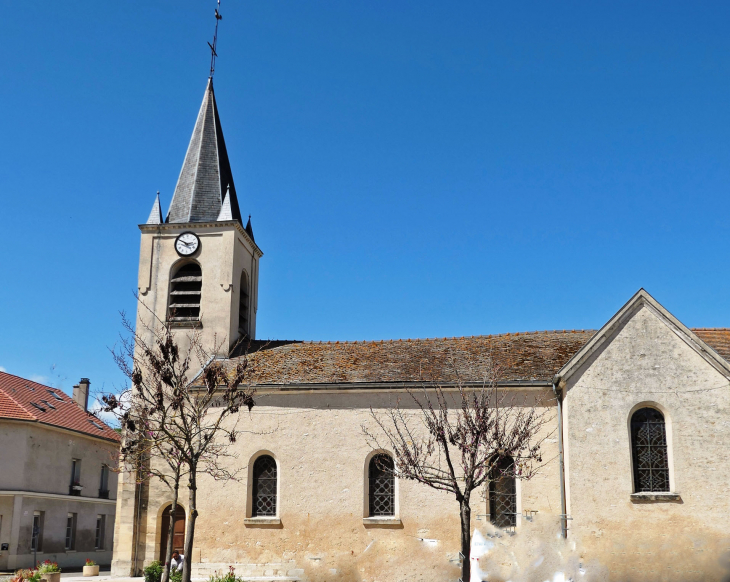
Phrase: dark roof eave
x=374 y=386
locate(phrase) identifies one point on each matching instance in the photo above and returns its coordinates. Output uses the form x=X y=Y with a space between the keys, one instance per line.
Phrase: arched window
x=649 y=450
x=264 y=487
x=502 y=494
x=243 y=306
x=185 y=287
x=381 y=486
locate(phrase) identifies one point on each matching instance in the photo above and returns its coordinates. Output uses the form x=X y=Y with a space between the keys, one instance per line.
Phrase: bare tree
x=167 y=413
x=454 y=438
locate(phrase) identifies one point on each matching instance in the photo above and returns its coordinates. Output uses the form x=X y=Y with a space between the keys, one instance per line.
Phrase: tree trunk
x=465 y=513
x=171 y=531
x=190 y=533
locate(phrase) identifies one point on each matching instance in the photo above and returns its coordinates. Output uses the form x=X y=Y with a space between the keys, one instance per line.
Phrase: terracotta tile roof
x=11 y=409
x=22 y=399
x=525 y=357
x=718 y=338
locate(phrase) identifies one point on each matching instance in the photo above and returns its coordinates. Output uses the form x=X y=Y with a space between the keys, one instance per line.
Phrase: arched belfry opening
x=243 y=306
x=185 y=288
x=178 y=537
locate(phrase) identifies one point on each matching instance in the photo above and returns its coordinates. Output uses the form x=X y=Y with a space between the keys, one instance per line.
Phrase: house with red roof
x=57 y=476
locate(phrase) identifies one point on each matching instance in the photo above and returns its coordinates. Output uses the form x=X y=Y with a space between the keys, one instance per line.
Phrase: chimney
x=81 y=393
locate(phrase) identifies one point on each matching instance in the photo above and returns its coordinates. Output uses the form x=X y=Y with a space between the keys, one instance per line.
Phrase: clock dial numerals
x=186 y=244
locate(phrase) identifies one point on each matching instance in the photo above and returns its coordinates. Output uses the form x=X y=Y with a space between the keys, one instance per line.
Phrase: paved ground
x=104 y=576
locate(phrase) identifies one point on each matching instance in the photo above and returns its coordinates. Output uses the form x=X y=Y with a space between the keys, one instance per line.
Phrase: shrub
x=153 y=572
x=48 y=567
x=176 y=576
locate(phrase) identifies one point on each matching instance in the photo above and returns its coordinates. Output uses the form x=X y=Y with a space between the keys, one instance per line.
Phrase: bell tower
x=199 y=265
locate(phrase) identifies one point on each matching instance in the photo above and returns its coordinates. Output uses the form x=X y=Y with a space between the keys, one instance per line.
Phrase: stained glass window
x=503 y=494
x=649 y=449
x=264 y=487
x=381 y=500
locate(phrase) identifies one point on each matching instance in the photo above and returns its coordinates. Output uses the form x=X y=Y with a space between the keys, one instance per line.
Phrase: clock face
x=186 y=244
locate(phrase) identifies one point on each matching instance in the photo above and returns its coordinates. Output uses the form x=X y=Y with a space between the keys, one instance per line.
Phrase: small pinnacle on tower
x=156 y=213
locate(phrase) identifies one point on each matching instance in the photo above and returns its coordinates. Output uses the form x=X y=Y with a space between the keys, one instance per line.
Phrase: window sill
x=191 y=324
x=261 y=521
x=382 y=521
x=649 y=496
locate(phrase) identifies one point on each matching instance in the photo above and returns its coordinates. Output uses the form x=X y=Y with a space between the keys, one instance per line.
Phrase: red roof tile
x=23 y=399
x=718 y=338
x=11 y=409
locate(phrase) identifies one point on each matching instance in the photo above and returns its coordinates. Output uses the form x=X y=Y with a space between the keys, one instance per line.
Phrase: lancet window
x=381 y=486
x=649 y=450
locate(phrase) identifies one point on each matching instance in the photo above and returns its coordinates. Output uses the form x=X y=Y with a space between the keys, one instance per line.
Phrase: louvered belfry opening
x=649 y=449
x=264 y=487
x=381 y=483
x=503 y=494
x=185 y=288
x=243 y=307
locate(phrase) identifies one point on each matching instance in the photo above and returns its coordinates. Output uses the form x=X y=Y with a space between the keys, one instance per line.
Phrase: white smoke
x=534 y=552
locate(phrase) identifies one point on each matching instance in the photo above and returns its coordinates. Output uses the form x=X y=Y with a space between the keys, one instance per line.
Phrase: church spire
x=206 y=172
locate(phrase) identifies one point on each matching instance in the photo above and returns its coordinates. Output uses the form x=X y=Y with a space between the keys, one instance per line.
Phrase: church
x=635 y=485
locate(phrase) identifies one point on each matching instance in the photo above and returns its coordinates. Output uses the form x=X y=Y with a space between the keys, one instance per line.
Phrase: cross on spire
x=213 y=53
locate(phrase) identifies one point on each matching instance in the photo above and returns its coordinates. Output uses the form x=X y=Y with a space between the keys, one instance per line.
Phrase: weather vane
x=214 y=54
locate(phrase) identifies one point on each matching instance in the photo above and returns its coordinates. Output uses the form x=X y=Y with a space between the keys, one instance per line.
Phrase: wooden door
x=178 y=538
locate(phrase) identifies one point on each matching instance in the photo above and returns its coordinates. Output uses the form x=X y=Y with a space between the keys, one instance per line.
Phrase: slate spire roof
x=206 y=173
x=156 y=213
x=226 y=213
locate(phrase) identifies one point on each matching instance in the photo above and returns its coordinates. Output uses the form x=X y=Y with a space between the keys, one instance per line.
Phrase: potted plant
x=26 y=576
x=50 y=571
x=91 y=568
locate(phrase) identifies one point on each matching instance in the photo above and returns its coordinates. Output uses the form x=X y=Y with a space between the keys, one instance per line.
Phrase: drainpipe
x=563 y=512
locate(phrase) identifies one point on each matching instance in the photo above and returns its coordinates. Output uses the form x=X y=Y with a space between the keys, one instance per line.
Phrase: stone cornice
x=178 y=226
x=61 y=496
x=370 y=387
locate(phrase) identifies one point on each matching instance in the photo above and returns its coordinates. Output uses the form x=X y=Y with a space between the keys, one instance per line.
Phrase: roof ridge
x=46 y=386
x=710 y=328
x=431 y=339
x=18 y=404
x=21 y=378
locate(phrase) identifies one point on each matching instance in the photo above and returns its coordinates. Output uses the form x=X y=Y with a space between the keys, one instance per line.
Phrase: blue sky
x=413 y=169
